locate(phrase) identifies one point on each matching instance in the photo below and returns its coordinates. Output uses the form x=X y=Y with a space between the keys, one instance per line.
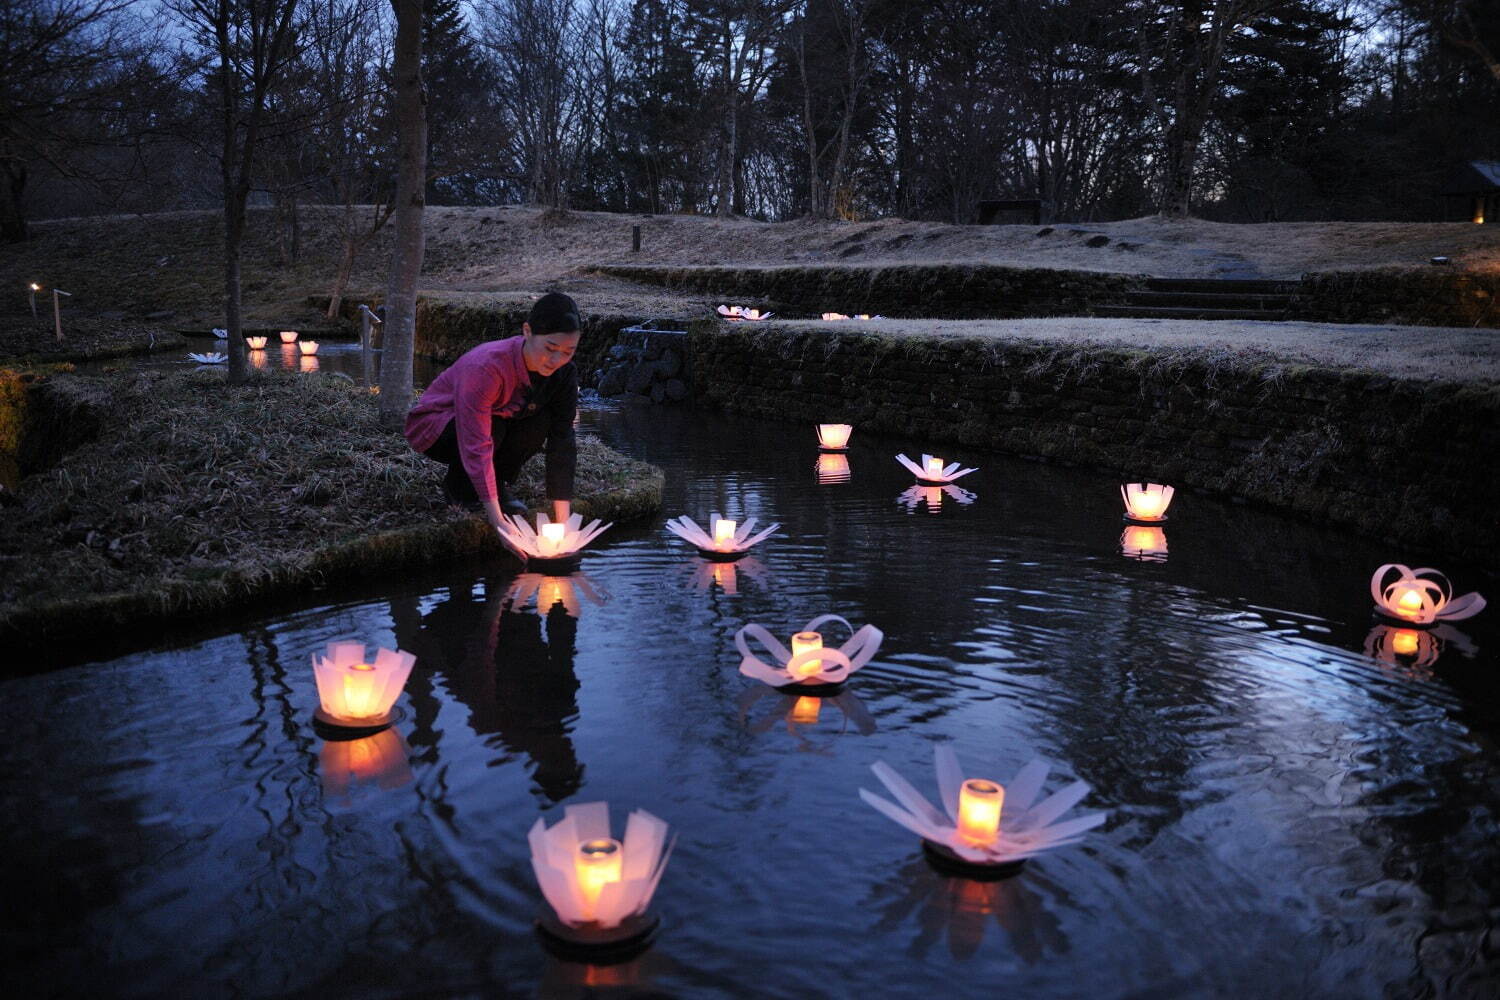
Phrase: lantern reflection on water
x=1147 y=543
x=809 y=664
x=726 y=575
x=962 y=840
x=1420 y=596
x=833 y=468
x=381 y=760
x=803 y=711
x=1414 y=650
x=932 y=496
x=550 y=591
x=599 y=888
x=307 y=364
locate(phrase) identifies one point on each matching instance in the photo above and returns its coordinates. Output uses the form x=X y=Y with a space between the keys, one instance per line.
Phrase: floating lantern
x=734 y=314
x=552 y=546
x=1420 y=596
x=358 y=697
x=730 y=541
x=833 y=468
x=256 y=343
x=915 y=496
x=990 y=829
x=550 y=591
x=932 y=471
x=812 y=667
x=834 y=437
x=288 y=336
x=307 y=347
x=380 y=760
x=1147 y=543
x=599 y=888
x=208 y=358
x=1146 y=503
x=833 y=317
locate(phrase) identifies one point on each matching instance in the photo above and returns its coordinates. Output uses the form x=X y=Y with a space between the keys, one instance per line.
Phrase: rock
x=1097 y=241
x=658 y=392
x=612 y=382
x=669 y=365
x=640 y=377
x=1045 y=231
x=620 y=352
x=652 y=348
x=675 y=390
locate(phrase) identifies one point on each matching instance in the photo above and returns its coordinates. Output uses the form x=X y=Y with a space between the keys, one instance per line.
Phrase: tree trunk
x=13 y=228
x=341 y=278
x=234 y=238
x=406 y=258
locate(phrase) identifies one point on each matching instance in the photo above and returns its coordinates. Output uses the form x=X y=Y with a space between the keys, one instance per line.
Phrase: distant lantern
x=288 y=336
x=834 y=437
x=1419 y=596
x=357 y=696
x=308 y=346
x=932 y=471
x=1146 y=503
x=256 y=343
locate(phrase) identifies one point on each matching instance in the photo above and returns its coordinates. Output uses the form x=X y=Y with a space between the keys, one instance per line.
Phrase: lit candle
x=724 y=532
x=979 y=805
x=1409 y=604
x=934 y=468
x=288 y=336
x=256 y=343
x=599 y=863
x=359 y=691
x=834 y=435
x=806 y=710
x=1405 y=641
x=552 y=537
x=801 y=642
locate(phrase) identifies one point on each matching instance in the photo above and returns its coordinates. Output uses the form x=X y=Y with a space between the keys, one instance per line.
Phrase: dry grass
x=198 y=496
x=85 y=338
x=1399 y=351
x=125 y=266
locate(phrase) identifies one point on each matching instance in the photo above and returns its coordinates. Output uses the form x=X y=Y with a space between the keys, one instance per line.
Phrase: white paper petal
x=950 y=778
x=908 y=796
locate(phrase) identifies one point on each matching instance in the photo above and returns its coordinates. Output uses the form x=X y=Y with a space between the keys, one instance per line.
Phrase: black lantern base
x=595 y=945
x=812 y=690
x=555 y=565
x=1385 y=618
x=331 y=727
x=714 y=555
x=945 y=860
x=1144 y=521
x=829 y=447
x=934 y=482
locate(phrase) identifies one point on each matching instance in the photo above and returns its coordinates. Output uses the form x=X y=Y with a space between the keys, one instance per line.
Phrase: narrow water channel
x=1288 y=812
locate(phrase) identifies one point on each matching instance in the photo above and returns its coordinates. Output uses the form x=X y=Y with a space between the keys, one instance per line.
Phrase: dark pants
x=515 y=442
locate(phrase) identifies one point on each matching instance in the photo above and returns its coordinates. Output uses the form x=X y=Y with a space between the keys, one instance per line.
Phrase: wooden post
x=32 y=289
x=57 y=309
x=635 y=239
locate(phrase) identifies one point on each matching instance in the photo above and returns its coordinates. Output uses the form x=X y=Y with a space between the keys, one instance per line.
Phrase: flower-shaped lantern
x=833 y=317
x=599 y=888
x=307 y=347
x=288 y=336
x=833 y=467
x=809 y=667
x=933 y=472
x=735 y=314
x=356 y=696
x=1146 y=503
x=208 y=358
x=729 y=541
x=256 y=343
x=915 y=496
x=555 y=546
x=834 y=437
x=1145 y=542
x=550 y=591
x=1420 y=596
x=989 y=830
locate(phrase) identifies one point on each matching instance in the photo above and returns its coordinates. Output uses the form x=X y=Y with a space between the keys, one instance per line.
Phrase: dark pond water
x=1288 y=815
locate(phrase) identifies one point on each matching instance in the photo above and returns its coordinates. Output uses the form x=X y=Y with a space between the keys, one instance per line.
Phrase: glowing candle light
x=551 y=537
x=308 y=346
x=806 y=710
x=1147 y=543
x=724 y=532
x=934 y=468
x=288 y=336
x=256 y=343
x=979 y=805
x=1409 y=603
x=1146 y=501
x=599 y=863
x=552 y=591
x=1406 y=642
x=801 y=642
x=1421 y=596
x=360 y=699
x=834 y=436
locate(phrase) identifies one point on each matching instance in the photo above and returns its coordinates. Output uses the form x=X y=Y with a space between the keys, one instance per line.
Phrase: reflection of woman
x=498 y=405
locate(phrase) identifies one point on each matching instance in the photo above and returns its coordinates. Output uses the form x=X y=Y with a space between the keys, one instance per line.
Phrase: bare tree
x=410 y=103
x=831 y=101
x=252 y=41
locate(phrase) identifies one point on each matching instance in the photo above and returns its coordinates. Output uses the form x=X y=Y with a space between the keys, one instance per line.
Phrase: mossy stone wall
x=1399 y=459
x=939 y=291
x=1438 y=296
x=446 y=329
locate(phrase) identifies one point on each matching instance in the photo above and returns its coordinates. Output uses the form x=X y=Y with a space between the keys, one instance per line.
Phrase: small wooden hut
x=1477 y=185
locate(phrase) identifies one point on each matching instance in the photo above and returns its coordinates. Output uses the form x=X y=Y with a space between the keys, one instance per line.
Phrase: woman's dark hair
x=554 y=313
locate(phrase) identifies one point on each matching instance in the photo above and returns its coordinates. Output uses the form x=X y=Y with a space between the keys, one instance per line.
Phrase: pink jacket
x=488 y=381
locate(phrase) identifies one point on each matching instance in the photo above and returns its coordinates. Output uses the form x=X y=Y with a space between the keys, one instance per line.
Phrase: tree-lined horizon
x=1240 y=110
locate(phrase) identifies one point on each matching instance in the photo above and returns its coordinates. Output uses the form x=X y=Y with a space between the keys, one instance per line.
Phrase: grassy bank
x=195 y=499
x=86 y=338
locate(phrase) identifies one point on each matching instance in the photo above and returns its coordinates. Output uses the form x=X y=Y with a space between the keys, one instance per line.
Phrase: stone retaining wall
x=936 y=291
x=1409 y=461
x=1438 y=296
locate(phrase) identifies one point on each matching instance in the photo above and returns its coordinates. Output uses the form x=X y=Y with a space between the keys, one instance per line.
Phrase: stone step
x=1186 y=312
x=1234 y=286
x=1208 y=300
